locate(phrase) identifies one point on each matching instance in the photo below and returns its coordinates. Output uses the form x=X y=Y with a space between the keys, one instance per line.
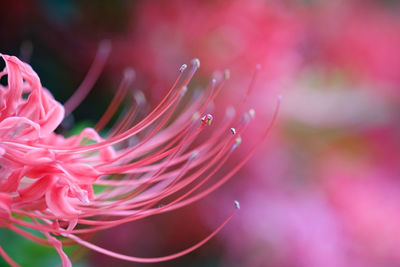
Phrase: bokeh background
x=322 y=190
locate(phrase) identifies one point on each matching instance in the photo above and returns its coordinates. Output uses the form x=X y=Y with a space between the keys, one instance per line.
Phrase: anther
x=227 y=74
x=129 y=74
x=237 y=204
x=139 y=97
x=182 y=68
x=238 y=140
x=237 y=143
x=207 y=119
x=196 y=62
x=252 y=113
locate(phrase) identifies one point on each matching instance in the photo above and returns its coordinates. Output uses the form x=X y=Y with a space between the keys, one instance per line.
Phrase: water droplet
x=207 y=119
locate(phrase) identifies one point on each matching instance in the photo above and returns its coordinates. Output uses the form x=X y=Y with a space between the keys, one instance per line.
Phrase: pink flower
x=47 y=180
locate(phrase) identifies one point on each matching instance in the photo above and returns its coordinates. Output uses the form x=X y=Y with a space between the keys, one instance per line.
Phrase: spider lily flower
x=47 y=180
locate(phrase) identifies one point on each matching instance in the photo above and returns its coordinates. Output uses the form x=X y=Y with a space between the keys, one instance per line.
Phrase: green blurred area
x=28 y=253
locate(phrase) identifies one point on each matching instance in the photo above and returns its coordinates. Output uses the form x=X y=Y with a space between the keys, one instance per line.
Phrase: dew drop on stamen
x=207 y=119
x=233 y=131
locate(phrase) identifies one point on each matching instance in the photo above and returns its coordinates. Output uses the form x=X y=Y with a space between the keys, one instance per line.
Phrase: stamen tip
x=237 y=143
x=258 y=66
x=280 y=97
x=196 y=62
x=129 y=73
x=237 y=204
x=227 y=74
x=238 y=140
x=139 y=97
x=182 y=68
x=252 y=113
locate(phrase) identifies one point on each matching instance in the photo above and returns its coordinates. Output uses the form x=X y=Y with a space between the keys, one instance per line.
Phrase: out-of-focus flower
x=361 y=180
x=358 y=37
x=140 y=169
x=230 y=33
x=361 y=106
x=286 y=229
